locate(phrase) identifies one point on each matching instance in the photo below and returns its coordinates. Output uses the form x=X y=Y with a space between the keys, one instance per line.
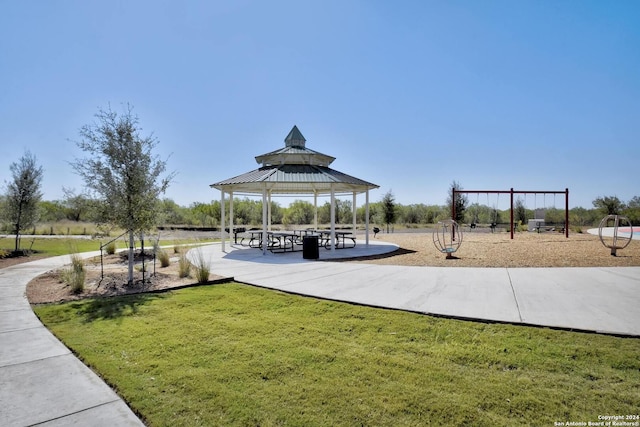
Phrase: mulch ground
x=481 y=249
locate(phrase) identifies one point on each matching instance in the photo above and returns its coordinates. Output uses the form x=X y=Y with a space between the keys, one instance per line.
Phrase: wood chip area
x=481 y=249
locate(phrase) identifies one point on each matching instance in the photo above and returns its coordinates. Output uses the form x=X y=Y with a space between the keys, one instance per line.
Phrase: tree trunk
x=130 y=257
x=18 y=224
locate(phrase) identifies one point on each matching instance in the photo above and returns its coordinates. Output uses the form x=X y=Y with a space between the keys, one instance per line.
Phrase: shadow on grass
x=114 y=307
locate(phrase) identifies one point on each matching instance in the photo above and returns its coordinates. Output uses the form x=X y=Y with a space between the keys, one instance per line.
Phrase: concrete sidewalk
x=41 y=381
x=591 y=299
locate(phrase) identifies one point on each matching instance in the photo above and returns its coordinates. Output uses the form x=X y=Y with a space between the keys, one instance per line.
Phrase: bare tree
x=23 y=195
x=122 y=171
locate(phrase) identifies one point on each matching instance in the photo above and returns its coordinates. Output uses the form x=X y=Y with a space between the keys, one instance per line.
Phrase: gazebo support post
x=264 y=220
x=230 y=217
x=354 y=214
x=333 y=219
x=366 y=219
x=315 y=210
x=222 y=220
x=269 y=209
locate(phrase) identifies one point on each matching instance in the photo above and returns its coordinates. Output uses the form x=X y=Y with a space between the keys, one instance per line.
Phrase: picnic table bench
x=289 y=241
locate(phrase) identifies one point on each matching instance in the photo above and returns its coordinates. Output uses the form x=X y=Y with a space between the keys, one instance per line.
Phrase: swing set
x=511 y=192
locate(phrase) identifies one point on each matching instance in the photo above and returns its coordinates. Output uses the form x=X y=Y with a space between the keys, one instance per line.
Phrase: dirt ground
x=50 y=287
x=482 y=249
x=478 y=249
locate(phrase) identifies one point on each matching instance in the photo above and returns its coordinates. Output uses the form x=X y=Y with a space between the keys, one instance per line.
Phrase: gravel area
x=481 y=249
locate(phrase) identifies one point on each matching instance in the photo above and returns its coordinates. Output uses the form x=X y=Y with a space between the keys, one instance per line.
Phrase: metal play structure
x=615 y=241
x=511 y=192
x=447 y=237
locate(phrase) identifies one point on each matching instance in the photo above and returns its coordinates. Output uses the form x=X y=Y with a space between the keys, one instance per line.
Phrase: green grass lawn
x=237 y=355
x=64 y=246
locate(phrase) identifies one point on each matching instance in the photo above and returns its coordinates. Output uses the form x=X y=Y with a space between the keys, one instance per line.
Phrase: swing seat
x=448 y=250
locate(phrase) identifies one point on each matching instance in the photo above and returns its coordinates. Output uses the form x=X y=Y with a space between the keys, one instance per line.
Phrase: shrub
x=184 y=266
x=74 y=275
x=110 y=248
x=163 y=256
x=202 y=267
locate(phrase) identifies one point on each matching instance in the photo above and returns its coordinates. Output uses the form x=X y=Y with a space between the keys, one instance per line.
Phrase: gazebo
x=292 y=170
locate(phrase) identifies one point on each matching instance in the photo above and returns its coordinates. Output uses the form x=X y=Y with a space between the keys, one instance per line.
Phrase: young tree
x=461 y=201
x=23 y=195
x=389 y=209
x=121 y=169
x=520 y=211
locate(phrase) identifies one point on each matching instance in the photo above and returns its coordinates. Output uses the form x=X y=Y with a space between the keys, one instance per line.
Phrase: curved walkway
x=41 y=381
x=597 y=299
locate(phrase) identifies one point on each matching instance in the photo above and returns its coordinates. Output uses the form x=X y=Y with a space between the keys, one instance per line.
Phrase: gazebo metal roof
x=294 y=169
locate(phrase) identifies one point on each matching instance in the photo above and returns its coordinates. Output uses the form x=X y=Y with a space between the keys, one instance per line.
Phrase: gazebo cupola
x=294 y=153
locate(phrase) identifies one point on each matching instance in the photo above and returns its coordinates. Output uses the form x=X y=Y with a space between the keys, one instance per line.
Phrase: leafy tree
x=207 y=214
x=580 y=216
x=277 y=213
x=171 y=213
x=520 y=211
x=389 y=209
x=633 y=210
x=78 y=207
x=299 y=212
x=51 y=211
x=122 y=171
x=554 y=216
x=609 y=205
x=23 y=195
x=461 y=201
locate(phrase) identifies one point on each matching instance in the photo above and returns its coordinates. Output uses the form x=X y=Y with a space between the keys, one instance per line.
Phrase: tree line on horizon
x=124 y=180
x=248 y=212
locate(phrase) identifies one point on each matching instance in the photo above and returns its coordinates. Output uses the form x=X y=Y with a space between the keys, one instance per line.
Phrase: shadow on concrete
x=397 y=252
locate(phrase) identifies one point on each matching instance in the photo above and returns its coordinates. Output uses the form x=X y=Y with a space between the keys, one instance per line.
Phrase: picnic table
x=289 y=241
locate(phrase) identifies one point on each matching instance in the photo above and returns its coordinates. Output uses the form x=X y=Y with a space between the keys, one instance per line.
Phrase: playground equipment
x=511 y=192
x=447 y=237
x=613 y=243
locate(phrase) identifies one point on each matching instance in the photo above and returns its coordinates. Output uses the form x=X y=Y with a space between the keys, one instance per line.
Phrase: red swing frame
x=512 y=192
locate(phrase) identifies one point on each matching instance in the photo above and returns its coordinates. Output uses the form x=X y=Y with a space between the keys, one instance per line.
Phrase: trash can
x=310 y=247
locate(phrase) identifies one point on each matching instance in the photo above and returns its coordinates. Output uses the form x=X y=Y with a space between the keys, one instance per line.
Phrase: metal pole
x=453 y=204
x=453 y=213
x=511 y=213
x=566 y=213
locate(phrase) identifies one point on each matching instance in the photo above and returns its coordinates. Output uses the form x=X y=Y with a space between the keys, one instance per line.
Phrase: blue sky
x=410 y=95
